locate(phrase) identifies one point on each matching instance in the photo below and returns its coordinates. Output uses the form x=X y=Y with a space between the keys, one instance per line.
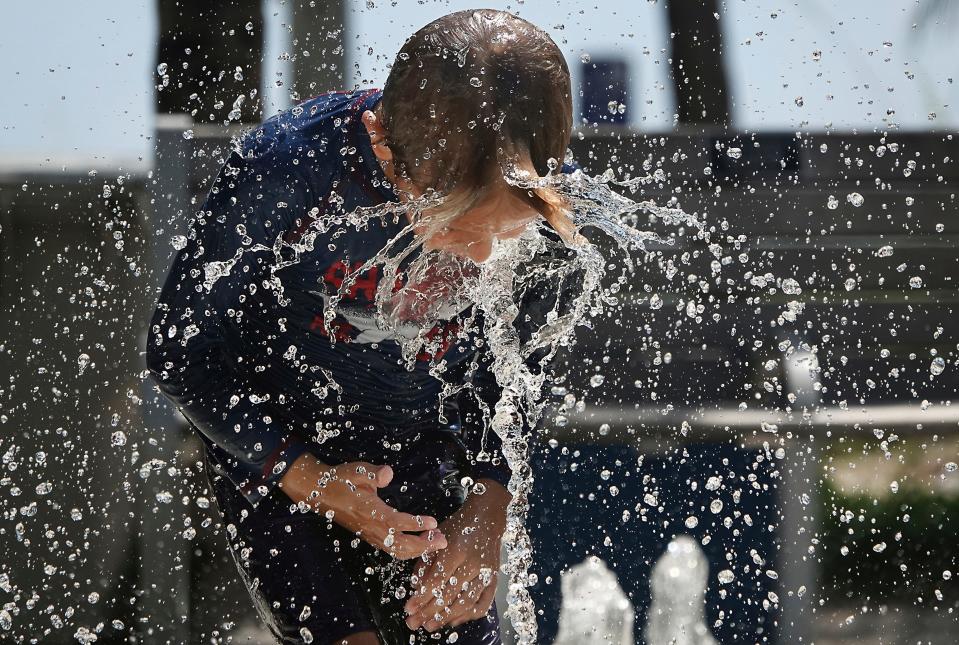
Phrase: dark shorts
x=312 y=581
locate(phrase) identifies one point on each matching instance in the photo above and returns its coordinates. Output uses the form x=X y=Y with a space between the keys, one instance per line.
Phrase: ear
x=377 y=137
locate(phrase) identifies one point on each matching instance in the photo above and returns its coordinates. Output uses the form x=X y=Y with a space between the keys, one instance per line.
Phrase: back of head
x=475 y=93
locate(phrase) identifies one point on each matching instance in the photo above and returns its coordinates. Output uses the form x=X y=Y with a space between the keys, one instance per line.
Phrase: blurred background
x=795 y=420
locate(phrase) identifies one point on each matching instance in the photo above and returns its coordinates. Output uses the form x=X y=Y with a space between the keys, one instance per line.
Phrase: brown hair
x=475 y=94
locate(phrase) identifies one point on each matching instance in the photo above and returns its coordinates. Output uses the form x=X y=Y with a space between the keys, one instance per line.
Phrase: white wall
x=76 y=85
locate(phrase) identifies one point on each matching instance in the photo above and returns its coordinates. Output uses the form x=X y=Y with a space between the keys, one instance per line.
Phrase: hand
x=347 y=494
x=458 y=585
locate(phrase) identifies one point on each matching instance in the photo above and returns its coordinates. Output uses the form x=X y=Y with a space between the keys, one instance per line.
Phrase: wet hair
x=475 y=95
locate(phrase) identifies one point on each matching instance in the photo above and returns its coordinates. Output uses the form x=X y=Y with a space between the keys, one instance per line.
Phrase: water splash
x=521 y=352
x=678 y=588
x=595 y=610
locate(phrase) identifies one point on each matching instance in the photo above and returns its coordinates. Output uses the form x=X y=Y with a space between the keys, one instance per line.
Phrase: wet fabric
x=305 y=572
x=240 y=343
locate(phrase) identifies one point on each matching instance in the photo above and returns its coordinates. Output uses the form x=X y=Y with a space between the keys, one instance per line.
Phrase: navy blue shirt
x=239 y=340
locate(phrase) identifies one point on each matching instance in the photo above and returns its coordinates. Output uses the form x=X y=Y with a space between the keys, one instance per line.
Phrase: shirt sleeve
x=477 y=405
x=224 y=259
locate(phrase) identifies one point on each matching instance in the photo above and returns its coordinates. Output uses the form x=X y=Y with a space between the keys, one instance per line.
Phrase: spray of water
x=520 y=361
x=488 y=292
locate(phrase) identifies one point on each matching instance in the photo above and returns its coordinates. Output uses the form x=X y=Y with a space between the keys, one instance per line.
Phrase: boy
x=332 y=464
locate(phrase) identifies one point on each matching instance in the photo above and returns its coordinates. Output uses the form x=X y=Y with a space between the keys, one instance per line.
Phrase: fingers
x=406 y=522
x=479 y=608
x=431 y=580
x=439 y=587
x=406 y=546
x=457 y=604
x=384 y=475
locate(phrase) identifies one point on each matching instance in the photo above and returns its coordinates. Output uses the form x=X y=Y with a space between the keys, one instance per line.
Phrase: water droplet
x=952 y=467
x=938 y=366
x=855 y=199
x=597 y=380
x=734 y=153
x=716 y=506
x=832 y=203
x=655 y=301
x=476 y=82
x=885 y=251
x=725 y=576
x=118 y=438
x=162 y=69
x=915 y=282
x=790 y=287
x=83 y=360
x=692 y=522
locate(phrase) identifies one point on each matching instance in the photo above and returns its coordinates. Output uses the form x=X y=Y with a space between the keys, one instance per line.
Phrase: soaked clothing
x=240 y=343
x=310 y=578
